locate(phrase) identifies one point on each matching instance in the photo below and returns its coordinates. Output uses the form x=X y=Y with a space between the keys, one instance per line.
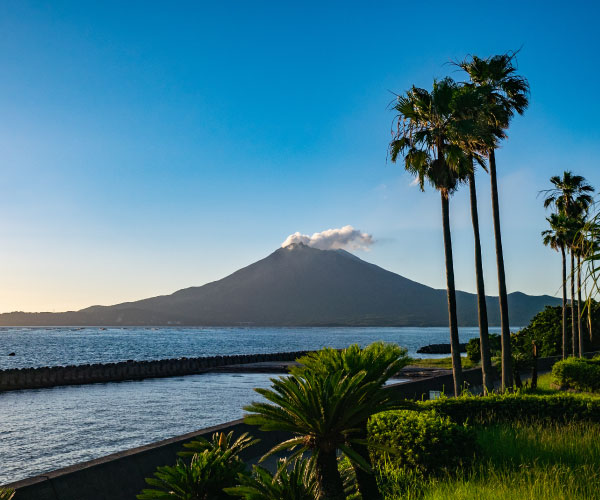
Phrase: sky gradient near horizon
x=146 y=146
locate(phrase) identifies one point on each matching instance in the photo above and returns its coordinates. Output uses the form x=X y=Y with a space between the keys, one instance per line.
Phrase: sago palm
x=6 y=494
x=215 y=465
x=325 y=413
x=203 y=478
x=427 y=123
x=379 y=361
x=506 y=94
x=290 y=482
x=219 y=441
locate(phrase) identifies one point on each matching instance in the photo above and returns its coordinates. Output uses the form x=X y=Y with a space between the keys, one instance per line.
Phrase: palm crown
x=505 y=91
x=570 y=194
x=428 y=132
x=561 y=231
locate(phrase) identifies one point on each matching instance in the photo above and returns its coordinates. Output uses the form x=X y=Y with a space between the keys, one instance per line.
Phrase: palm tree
x=379 y=361
x=427 y=122
x=484 y=338
x=570 y=196
x=506 y=93
x=475 y=137
x=578 y=249
x=557 y=238
x=324 y=412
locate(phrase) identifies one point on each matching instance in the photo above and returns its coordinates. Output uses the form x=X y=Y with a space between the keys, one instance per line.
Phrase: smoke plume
x=333 y=239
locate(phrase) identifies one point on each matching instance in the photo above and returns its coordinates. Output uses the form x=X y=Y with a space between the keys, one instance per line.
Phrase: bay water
x=46 y=429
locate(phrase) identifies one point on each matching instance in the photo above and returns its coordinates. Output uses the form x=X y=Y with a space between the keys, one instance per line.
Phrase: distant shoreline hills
x=296 y=285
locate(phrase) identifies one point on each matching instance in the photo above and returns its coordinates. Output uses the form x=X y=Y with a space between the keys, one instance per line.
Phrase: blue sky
x=150 y=146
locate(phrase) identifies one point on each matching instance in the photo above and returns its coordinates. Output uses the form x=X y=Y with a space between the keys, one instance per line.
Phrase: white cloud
x=333 y=239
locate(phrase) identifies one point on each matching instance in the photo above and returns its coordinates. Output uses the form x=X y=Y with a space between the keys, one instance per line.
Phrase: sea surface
x=46 y=429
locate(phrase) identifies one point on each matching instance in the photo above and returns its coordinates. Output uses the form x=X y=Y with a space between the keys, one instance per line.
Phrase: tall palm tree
x=557 y=238
x=379 y=361
x=484 y=337
x=323 y=411
x=571 y=196
x=475 y=137
x=578 y=249
x=506 y=93
x=427 y=122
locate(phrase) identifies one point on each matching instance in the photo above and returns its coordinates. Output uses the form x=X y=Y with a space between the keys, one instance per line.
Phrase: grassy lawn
x=545 y=386
x=441 y=362
x=523 y=461
x=517 y=461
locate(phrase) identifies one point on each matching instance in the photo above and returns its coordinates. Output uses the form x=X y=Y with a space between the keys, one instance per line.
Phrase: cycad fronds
x=6 y=494
x=324 y=411
x=292 y=481
x=219 y=441
x=203 y=478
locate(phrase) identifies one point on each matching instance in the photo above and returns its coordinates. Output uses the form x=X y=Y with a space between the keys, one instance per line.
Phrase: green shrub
x=474 y=348
x=512 y=407
x=215 y=466
x=577 y=373
x=424 y=442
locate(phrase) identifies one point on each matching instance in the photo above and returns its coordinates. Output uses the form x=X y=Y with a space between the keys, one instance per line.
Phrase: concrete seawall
x=120 y=476
x=36 y=378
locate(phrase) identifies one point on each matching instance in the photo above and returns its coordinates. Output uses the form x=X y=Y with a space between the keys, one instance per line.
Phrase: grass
x=442 y=363
x=516 y=461
x=546 y=386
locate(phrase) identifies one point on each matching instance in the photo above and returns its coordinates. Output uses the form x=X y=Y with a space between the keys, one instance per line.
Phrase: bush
x=424 y=442
x=474 y=348
x=215 y=465
x=577 y=373
x=517 y=407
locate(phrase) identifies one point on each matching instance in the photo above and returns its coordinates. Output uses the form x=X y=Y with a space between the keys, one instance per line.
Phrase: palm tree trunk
x=328 y=477
x=573 y=332
x=484 y=339
x=366 y=482
x=564 y=302
x=502 y=295
x=579 y=329
x=452 y=319
x=590 y=319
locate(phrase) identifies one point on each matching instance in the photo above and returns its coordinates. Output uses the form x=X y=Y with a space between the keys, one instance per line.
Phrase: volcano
x=296 y=285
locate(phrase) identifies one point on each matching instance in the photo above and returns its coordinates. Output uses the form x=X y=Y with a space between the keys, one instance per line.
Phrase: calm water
x=64 y=346
x=45 y=429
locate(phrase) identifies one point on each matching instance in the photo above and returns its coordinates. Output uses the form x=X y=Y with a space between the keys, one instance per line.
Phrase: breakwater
x=36 y=378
